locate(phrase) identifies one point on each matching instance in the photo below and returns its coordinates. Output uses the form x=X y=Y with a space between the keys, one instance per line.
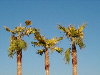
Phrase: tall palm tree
x=17 y=44
x=47 y=44
x=76 y=38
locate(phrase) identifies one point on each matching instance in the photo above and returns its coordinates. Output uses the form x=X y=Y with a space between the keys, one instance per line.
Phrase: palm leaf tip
x=60 y=50
x=82 y=27
x=67 y=55
x=40 y=52
x=61 y=28
x=60 y=38
x=57 y=49
x=7 y=29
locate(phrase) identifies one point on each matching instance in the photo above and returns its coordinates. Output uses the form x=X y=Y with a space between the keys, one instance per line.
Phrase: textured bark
x=47 y=64
x=19 y=62
x=74 y=59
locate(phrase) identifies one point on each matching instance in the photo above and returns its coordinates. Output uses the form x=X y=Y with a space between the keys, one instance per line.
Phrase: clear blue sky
x=45 y=15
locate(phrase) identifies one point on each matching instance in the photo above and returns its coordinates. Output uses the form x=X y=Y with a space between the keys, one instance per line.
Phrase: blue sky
x=45 y=15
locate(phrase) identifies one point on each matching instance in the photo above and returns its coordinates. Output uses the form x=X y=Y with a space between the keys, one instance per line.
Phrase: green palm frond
x=81 y=28
x=7 y=29
x=50 y=42
x=16 y=45
x=22 y=44
x=80 y=43
x=19 y=29
x=62 y=28
x=11 y=53
x=59 y=39
x=41 y=51
x=67 y=55
x=59 y=50
x=39 y=37
x=46 y=43
x=75 y=35
x=16 y=42
x=53 y=41
x=37 y=44
x=71 y=31
x=30 y=30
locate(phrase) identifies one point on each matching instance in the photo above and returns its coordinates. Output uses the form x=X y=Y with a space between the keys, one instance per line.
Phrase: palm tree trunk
x=19 y=62
x=74 y=59
x=47 y=64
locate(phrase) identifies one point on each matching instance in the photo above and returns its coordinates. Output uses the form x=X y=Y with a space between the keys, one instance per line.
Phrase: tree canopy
x=16 y=41
x=46 y=43
x=75 y=35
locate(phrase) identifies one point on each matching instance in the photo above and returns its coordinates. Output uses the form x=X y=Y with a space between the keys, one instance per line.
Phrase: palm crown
x=46 y=43
x=16 y=42
x=76 y=37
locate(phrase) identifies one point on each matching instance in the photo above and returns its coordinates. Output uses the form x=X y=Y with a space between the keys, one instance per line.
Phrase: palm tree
x=17 y=44
x=47 y=44
x=76 y=38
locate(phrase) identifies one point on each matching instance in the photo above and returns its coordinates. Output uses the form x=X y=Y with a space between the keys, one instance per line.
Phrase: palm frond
x=37 y=44
x=7 y=29
x=19 y=29
x=39 y=37
x=30 y=30
x=59 y=50
x=82 y=27
x=72 y=32
x=11 y=53
x=41 y=51
x=46 y=43
x=67 y=55
x=62 y=28
x=80 y=43
x=59 y=39
x=22 y=44
x=16 y=45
